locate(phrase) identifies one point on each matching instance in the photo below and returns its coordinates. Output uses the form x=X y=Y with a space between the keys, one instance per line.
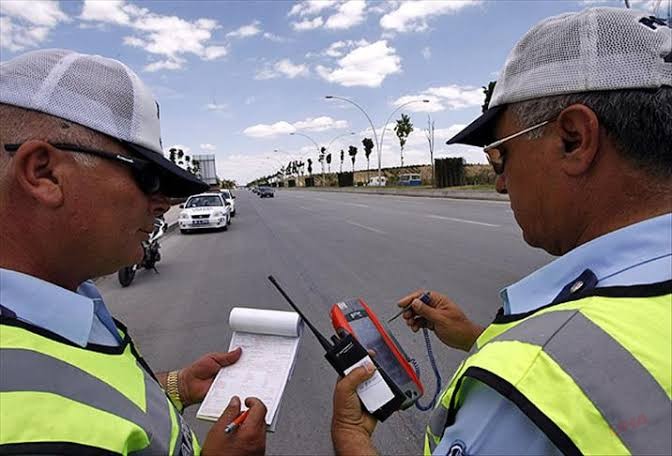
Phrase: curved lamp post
x=317 y=146
x=379 y=144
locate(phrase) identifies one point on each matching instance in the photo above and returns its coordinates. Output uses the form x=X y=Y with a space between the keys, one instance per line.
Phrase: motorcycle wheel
x=126 y=275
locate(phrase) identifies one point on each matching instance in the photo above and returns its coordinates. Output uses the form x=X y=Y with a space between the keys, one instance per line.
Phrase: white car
x=231 y=199
x=207 y=210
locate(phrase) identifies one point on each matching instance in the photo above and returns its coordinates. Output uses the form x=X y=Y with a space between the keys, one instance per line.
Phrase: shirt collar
x=48 y=306
x=606 y=256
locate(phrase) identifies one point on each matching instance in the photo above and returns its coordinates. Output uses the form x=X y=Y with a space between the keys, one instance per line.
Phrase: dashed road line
x=441 y=217
x=365 y=227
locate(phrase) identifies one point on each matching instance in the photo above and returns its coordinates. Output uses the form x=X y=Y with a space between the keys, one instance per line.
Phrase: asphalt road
x=323 y=248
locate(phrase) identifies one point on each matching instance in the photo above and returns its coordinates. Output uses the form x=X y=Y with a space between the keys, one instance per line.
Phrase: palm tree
x=329 y=163
x=352 y=151
x=403 y=128
x=310 y=167
x=342 y=158
x=368 y=147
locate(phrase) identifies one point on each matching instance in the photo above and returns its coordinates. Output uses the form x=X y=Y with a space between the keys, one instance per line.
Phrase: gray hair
x=18 y=125
x=638 y=121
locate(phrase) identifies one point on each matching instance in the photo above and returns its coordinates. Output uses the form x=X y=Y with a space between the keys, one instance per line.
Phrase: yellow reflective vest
x=594 y=374
x=59 y=398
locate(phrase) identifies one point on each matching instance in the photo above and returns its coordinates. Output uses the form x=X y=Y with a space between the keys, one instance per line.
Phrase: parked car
x=377 y=182
x=410 y=179
x=231 y=199
x=206 y=210
x=265 y=192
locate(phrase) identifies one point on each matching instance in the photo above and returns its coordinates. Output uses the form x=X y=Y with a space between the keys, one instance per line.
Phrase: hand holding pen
x=434 y=311
x=236 y=433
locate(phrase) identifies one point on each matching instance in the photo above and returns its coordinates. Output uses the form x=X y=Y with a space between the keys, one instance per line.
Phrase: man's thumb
x=230 y=412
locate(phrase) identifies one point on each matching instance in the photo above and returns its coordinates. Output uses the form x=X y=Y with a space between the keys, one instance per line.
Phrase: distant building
x=208 y=171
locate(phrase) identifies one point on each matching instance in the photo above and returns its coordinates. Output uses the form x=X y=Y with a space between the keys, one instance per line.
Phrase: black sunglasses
x=144 y=172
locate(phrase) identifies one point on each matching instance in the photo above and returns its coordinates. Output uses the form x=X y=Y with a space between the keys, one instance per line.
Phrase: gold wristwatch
x=173 y=390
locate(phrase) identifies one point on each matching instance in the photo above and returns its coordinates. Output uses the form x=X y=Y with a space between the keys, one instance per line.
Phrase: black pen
x=424 y=298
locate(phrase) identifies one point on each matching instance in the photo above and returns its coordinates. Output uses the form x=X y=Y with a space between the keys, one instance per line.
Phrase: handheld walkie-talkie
x=379 y=395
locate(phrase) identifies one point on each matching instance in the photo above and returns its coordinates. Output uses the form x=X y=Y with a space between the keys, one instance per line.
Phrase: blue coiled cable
x=430 y=354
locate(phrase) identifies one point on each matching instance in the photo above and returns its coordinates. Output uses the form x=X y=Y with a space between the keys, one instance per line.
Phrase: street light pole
x=379 y=144
x=317 y=146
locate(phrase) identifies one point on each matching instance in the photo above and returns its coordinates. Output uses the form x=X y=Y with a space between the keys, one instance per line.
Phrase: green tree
x=172 y=154
x=403 y=128
x=342 y=158
x=329 y=163
x=310 y=167
x=352 y=151
x=487 y=91
x=368 y=148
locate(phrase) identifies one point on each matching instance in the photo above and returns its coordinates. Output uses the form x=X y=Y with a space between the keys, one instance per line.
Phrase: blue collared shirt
x=80 y=317
x=488 y=423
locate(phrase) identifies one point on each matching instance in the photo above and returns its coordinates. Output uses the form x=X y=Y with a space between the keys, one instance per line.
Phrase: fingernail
x=235 y=401
x=369 y=367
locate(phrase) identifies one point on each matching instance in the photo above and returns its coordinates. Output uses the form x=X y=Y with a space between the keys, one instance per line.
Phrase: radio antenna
x=323 y=340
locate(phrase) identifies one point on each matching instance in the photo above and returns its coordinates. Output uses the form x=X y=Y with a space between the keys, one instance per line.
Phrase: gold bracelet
x=173 y=390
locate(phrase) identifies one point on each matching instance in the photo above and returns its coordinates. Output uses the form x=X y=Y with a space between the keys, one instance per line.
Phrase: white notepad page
x=269 y=339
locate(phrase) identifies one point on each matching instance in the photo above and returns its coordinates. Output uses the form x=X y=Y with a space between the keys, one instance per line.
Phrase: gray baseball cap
x=99 y=93
x=597 y=49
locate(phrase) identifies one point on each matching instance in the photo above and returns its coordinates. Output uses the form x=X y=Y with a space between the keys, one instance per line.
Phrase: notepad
x=270 y=340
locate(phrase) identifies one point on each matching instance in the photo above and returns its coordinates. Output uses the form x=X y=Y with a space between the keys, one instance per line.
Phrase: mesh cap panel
x=100 y=93
x=596 y=49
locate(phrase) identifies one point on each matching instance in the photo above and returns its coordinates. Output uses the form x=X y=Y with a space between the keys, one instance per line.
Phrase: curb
x=486 y=196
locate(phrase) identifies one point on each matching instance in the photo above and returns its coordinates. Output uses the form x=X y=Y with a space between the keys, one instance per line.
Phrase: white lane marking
x=440 y=217
x=306 y=208
x=366 y=227
x=355 y=204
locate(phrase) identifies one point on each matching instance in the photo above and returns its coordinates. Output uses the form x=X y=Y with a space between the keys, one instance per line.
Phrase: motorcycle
x=150 y=257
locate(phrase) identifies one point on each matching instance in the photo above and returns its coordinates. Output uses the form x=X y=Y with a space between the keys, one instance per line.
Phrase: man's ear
x=580 y=134
x=37 y=170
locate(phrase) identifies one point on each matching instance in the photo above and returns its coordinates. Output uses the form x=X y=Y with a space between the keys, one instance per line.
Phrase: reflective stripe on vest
x=613 y=396
x=108 y=419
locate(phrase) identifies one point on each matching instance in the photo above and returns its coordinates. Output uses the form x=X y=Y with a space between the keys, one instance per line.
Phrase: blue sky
x=234 y=78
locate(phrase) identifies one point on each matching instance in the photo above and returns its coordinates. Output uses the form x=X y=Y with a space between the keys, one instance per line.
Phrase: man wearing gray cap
x=578 y=360
x=82 y=178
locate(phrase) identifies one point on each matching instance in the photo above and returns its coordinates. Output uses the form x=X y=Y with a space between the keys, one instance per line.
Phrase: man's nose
x=500 y=184
x=159 y=204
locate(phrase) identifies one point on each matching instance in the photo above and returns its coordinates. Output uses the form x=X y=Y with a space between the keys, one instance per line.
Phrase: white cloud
x=283 y=67
x=264 y=131
x=168 y=37
x=413 y=16
x=110 y=11
x=216 y=106
x=245 y=31
x=316 y=124
x=449 y=97
x=308 y=24
x=26 y=24
x=367 y=65
x=164 y=65
x=250 y=100
x=273 y=37
x=208 y=147
x=310 y=7
x=349 y=14
x=322 y=123
x=335 y=49
x=214 y=52
x=426 y=53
